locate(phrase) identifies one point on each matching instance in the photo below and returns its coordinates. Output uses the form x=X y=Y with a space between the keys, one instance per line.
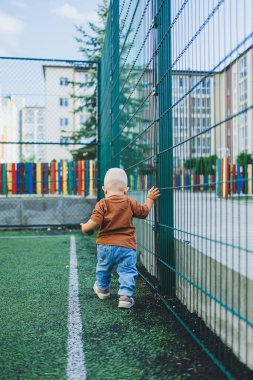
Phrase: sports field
x=54 y=327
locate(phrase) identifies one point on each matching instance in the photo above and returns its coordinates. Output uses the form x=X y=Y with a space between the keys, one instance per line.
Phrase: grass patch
x=34 y=303
x=142 y=343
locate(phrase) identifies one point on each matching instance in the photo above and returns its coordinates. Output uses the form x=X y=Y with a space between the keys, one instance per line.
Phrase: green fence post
x=115 y=126
x=165 y=160
x=99 y=172
x=105 y=104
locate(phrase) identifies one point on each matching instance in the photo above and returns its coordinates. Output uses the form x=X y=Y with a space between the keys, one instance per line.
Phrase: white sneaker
x=100 y=295
x=126 y=304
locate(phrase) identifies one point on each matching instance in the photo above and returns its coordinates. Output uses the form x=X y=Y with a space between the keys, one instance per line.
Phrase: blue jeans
x=125 y=260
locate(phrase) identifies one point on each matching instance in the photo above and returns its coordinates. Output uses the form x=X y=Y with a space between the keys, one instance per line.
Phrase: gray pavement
x=219 y=228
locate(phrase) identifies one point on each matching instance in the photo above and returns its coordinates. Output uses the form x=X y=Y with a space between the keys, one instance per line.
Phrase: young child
x=116 y=243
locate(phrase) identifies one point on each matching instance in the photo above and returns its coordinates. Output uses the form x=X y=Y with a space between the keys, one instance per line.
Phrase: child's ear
x=104 y=189
x=126 y=190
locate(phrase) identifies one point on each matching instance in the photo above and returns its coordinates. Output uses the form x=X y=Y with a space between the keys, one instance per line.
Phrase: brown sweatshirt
x=114 y=217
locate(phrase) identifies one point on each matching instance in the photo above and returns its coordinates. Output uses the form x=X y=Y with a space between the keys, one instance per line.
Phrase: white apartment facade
x=60 y=103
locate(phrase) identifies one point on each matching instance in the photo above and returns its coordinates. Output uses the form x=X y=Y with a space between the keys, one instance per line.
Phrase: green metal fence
x=177 y=112
x=45 y=175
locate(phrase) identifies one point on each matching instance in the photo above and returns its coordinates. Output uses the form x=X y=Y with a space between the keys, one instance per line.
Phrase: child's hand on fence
x=153 y=193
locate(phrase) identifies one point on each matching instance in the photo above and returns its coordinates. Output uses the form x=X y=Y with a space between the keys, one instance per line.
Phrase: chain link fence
x=179 y=115
x=47 y=176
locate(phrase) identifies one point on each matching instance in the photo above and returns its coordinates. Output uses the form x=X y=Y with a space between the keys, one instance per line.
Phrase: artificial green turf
x=33 y=307
x=143 y=343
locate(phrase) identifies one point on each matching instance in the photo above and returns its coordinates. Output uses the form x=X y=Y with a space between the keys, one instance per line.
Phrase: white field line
x=76 y=363
x=33 y=237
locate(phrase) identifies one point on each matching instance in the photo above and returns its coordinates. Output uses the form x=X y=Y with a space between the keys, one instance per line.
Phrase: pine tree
x=90 y=45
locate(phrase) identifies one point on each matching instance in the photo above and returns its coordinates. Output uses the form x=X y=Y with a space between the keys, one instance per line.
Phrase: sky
x=43 y=28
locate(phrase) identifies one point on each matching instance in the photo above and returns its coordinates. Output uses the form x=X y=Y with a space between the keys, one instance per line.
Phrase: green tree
x=134 y=149
x=190 y=164
x=90 y=45
x=134 y=119
x=244 y=159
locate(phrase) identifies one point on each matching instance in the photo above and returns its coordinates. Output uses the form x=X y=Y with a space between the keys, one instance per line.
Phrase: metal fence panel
x=181 y=104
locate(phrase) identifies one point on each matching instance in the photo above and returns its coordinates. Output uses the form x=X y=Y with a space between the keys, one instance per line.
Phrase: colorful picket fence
x=233 y=179
x=193 y=182
x=230 y=179
x=55 y=178
x=79 y=178
x=141 y=181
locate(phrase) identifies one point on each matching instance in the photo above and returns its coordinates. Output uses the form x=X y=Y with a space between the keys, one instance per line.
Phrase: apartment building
x=232 y=108
x=32 y=123
x=62 y=88
x=191 y=114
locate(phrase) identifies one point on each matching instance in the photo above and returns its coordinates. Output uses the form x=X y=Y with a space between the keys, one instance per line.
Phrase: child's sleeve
x=98 y=213
x=139 y=211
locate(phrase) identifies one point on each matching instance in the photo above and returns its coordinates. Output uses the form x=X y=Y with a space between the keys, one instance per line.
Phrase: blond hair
x=115 y=179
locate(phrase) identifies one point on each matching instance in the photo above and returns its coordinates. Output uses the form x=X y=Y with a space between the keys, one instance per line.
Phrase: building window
x=196 y=85
x=243 y=90
x=196 y=105
x=206 y=86
x=64 y=102
x=197 y=122
x=203 y=85
x=29 y=117
x=64 y=81
x=175 y=83
x=183 y=84
x=64 y=122
x=243 y=117
x=243 y=67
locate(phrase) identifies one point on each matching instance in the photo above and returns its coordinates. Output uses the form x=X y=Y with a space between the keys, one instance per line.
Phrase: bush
x=244 y=159
x=202 y=165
